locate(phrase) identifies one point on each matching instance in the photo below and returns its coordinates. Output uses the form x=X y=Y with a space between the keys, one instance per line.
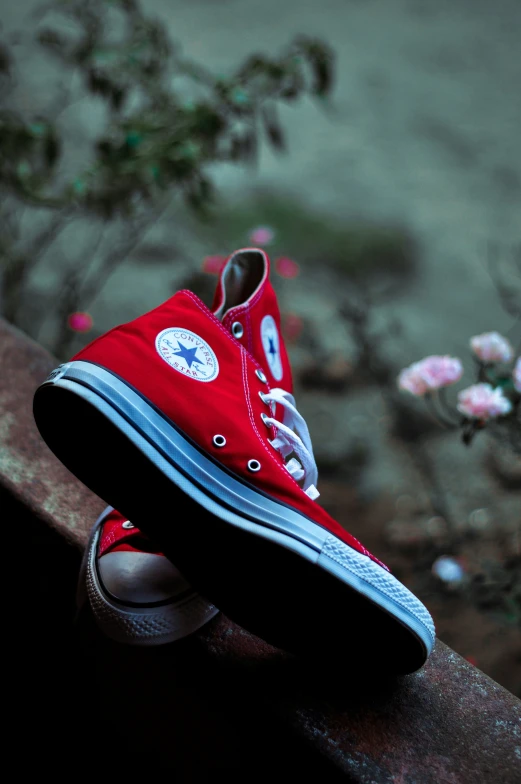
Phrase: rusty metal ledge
x=28 y=469
x=224 y=701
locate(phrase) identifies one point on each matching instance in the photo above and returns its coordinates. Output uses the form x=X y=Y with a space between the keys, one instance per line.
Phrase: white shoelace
x=293 y=437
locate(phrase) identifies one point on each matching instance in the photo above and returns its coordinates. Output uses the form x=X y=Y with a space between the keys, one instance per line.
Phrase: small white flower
x=448 y=570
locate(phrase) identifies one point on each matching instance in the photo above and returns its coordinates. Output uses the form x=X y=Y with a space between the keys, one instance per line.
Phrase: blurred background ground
x=417 y=165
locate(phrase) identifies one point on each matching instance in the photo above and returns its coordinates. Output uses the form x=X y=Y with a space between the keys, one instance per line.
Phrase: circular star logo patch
x=271 y=345
x=187 y=353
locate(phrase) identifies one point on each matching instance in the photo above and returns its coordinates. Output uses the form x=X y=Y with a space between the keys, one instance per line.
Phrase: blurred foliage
x=168 y=118
x=355 y=249
x=497 y=589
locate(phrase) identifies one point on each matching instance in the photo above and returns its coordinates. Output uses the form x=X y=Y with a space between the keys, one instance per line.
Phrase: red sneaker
x=137 y=596
x=206 y=460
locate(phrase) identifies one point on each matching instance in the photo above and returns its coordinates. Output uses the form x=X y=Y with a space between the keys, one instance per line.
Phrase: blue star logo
x=188 y=354
x=272 y=350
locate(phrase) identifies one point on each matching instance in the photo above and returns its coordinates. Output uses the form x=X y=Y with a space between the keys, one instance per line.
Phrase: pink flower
x=80 y=322
x=431 y=373
x=411 y=380
x=491 y=347
x=262 y=235
x=439 y=371
x=516 y=374
x=287 y=268
x=292 y=326
x=482 y=401
x=213 y=264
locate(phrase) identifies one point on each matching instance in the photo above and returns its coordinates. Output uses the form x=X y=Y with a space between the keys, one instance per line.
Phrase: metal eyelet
x=263 y=398
x=128 y=524
x=264 y=417
x=260 y=375
x=219 y=440
x=237 y=330
x=254 y=466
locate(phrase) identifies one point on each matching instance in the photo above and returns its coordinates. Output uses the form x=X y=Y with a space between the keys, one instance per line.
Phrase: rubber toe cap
x=140 y=578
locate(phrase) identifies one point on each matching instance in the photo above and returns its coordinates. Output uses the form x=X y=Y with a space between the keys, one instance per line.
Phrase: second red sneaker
x=136 y=595
x=197 y=407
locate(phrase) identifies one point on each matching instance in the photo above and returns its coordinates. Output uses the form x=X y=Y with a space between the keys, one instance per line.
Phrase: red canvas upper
x=114 y=537
x=229 y=404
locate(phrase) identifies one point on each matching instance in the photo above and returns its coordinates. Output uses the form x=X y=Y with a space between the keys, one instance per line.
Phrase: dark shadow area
x=83 y=705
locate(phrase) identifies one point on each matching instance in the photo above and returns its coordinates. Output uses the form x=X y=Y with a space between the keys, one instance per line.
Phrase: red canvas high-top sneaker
x=137 y=596
x=211 y=459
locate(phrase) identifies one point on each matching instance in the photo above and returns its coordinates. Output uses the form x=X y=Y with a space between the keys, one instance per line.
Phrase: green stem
x=451 y=413
x=436 y=413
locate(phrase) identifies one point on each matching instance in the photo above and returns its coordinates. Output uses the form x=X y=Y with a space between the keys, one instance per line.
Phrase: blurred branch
x=18 y=267
x=169 y=120
x=114 y=258
x=510 y=297
x=79 y=291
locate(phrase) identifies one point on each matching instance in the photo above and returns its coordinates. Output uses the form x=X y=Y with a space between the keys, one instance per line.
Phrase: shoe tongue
x=247 y=305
